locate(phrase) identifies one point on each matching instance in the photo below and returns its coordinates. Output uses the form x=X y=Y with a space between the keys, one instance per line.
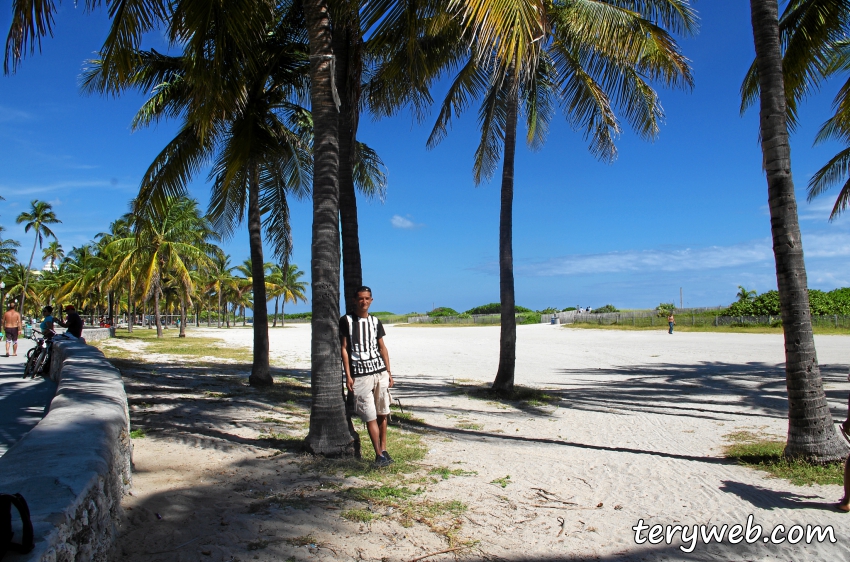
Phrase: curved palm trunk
x=507 y=340
x=811 y=433
x=276 y=303
x=27 y=274
x=156 y=316
x=348 y=73
x=131 y=311
x=218 y=312
x=260 y=372
x=328 y=433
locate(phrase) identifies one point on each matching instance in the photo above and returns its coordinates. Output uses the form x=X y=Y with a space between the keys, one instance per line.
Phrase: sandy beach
x=637 y=434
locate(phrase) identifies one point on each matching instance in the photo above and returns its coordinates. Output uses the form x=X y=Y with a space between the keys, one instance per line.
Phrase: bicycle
x=39 y=356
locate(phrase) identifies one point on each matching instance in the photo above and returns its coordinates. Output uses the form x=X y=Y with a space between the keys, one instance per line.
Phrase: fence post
x=652 y=320
x=836 y=320
x=716 y=317
x=693 y=319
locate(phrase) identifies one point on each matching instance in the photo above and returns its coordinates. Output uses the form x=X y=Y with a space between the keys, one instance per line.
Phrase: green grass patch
x=170 y=344
x=137 y=434
x=302 y=541
x=469 y=425
x=763 y=454
x=445 y=472
x=359 y=515
x=521 y=396
x=388 y=495
x=503 y=482
x=734 y=329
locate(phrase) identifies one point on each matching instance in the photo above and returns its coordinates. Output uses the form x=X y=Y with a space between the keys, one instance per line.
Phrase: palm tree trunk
x=182 y=333
x=27 y=273
x=156 y=316
x=507 y=340
x=328 y=433
x=811 y=433
x=131 y=311
x=218 y=312
x=111 y=317
x=260 y=372
x=276 y=303
x=348 y=71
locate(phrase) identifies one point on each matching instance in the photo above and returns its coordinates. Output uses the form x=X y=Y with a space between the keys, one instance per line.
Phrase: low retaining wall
x=74 y=466
x=97 y=334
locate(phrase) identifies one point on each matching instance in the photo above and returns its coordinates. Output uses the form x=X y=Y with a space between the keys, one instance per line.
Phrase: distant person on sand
x=12 y=326
x=671 y=322
x=367 y=371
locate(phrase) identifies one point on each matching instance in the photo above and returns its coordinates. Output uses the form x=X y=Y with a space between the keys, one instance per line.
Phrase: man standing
x=367 y=371
x=671 y=322
x=12 y=326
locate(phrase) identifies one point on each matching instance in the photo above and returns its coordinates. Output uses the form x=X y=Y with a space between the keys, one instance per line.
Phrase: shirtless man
x=12 y=326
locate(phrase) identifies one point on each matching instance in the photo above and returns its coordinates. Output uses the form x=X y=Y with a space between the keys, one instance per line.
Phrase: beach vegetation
x=443 y=311
x=767 y=455
x=605 y=309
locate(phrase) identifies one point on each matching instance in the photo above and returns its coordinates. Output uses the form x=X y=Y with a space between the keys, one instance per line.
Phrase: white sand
x=638 y=435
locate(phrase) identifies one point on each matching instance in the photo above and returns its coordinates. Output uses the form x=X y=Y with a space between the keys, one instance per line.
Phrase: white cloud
x=820 y=244
x=7 y=115
x=13 y=190
x=399 y=221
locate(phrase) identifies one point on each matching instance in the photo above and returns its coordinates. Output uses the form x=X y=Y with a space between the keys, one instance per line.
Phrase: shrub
x=665 y=308
x=382 y=313
x=604 y=309
x=496 y=308
x=569 y=308
x=299 y=315
x=443 y=311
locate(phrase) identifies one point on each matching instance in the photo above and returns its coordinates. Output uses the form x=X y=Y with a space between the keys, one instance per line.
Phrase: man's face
x=364 y=301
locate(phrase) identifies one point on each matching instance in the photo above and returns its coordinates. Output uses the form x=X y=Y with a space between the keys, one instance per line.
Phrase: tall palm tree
x=36 y=219
x=53 y=253
x=254 y=136
x=220 y=279
x=811 y=433
x=328 y=433
x=591 y=56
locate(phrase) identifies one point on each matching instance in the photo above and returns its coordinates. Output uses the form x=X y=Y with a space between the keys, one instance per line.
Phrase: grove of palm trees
x=266 y=102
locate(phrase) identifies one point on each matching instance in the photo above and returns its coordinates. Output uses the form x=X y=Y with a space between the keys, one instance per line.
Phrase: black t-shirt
x=74 y=324
x=363 y=334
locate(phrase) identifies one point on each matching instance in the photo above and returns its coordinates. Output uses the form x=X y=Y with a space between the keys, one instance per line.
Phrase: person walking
x=671 y=322
x=367 y=371
x=12 y=324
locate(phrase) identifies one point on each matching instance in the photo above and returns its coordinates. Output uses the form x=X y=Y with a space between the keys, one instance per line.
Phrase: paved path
x=22 y=402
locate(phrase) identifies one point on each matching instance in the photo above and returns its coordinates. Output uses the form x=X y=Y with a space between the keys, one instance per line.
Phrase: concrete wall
x=74 y=466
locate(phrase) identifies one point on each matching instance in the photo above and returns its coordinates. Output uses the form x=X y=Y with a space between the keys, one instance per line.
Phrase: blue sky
x=689 y=210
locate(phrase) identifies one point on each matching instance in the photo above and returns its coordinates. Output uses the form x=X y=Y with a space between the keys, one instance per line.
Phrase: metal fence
x=483 y=319
x=637 y=319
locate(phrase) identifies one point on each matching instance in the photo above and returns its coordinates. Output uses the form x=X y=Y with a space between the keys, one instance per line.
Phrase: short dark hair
x=48 y=309
x=363 y=289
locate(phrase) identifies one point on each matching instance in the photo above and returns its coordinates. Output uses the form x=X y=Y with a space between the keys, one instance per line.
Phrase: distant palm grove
x=142 y=268
x=237 y=77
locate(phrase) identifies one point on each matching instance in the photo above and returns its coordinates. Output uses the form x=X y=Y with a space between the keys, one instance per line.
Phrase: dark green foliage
x=298 y=315
x=495 y=308
x=665 y=308
x=821 y=303
x=382 y=313
x=492 y=308
x=549 y=310
x=443 y=311
x=569 y=308
x=604 y=309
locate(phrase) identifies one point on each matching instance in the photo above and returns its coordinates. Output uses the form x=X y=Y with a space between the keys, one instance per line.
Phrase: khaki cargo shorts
x=372 y=396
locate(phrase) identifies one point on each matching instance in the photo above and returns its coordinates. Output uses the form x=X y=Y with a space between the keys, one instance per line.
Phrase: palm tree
x=167 y=242
x=291 y=288
x=37 y=218
x=254 y=135
x=744 y=295
x=811 y=433
x=592 y=59
x=8 y=251
x=328 y=433
x=53 y=253
x=220 y=278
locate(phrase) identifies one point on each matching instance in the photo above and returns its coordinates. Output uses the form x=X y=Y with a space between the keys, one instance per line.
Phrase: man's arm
x=386 y=355
x=349 y=382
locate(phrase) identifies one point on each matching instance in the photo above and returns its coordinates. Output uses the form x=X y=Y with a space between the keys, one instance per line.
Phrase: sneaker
x=387 y=456
x=381 y=462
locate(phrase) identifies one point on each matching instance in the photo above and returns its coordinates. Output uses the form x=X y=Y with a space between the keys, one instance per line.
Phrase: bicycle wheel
x=30 y=364
x=39 y=364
